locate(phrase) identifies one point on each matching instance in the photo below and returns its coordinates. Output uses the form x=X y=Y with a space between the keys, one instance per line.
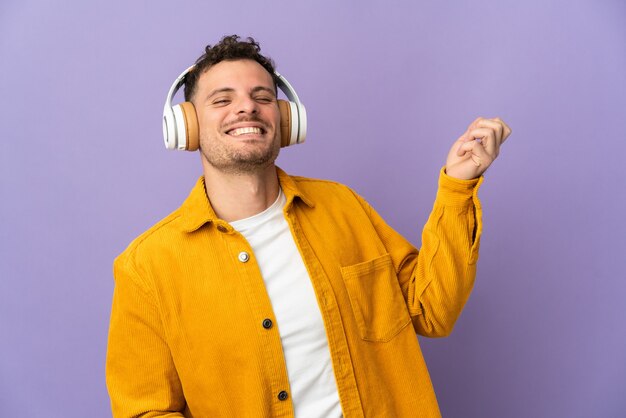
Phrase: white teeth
x=246 y=130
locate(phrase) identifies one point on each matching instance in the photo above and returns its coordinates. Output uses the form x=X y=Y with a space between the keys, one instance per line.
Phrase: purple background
x=388 y=87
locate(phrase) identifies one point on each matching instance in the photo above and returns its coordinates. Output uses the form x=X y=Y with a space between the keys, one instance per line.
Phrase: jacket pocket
x=376 y=299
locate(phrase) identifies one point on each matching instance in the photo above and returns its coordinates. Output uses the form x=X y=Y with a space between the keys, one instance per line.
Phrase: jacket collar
x=196 y=210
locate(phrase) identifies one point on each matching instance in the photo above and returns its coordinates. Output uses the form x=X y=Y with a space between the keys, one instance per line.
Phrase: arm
x=443 y=277
x=438 y=285
x=436 y=281
x=140 y=373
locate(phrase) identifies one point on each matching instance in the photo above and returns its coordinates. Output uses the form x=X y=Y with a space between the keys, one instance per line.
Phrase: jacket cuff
x=457 y=192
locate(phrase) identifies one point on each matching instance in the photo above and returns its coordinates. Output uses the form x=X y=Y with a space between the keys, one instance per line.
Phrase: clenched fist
x=477 y=148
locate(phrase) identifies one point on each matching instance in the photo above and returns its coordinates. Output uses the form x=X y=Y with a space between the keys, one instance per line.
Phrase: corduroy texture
x=186 y=335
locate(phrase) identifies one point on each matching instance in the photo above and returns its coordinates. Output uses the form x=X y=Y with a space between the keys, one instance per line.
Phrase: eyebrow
x=230 y=90
x=262 y=88
x=217 y=91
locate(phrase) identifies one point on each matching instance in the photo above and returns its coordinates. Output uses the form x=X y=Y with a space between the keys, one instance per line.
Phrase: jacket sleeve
x=140 y=373
x=437 y=280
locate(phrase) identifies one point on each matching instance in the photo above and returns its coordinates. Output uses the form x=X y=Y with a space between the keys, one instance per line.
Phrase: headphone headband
x=178 y=83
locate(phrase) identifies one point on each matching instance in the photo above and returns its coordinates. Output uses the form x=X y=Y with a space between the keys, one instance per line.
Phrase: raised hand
x=477 y=148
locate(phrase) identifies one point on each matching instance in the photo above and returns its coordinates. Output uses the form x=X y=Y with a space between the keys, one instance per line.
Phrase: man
x=267 y=295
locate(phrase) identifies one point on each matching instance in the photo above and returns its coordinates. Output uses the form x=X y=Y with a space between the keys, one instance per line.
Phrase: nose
x=247 y=105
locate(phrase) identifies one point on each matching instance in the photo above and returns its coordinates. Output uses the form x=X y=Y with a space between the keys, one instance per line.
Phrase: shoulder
x=158 y=238
x=161 y=242
x=329 y=194
x=317 y=186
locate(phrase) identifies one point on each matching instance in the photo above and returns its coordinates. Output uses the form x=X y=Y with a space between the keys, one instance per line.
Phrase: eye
x=265 y=99
x=221 y=102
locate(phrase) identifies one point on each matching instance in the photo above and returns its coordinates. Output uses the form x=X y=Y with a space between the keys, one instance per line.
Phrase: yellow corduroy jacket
x=187 y=338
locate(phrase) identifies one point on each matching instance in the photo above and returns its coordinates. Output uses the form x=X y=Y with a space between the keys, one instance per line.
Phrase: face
x=238 y=116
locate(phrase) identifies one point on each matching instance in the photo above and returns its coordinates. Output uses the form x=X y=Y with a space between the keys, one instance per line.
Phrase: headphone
x=180 y=123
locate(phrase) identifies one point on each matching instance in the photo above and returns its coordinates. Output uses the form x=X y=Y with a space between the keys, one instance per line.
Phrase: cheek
x=274 y=116
x=209 y=123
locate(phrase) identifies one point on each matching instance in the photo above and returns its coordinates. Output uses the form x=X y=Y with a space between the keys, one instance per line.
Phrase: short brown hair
x=229 y=48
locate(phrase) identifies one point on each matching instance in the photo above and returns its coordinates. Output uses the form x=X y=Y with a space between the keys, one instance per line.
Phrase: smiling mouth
x=246 y=130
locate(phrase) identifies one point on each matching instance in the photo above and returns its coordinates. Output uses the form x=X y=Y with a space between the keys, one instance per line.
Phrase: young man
x=267 y=295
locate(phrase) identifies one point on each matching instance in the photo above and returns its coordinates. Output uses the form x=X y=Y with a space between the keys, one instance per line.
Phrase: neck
x=236 y=196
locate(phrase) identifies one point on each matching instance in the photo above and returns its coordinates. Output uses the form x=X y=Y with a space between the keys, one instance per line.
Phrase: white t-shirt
x=300 y=324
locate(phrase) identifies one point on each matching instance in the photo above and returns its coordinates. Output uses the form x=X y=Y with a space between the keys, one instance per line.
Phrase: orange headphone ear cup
x=285 y=122
x=191 y=123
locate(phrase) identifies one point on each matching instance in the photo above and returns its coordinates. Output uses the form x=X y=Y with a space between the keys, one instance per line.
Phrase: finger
x=474 y=123
x=507 y=130
x=466 y=145
x=464 y=137
x=478 y=154
x=457 y=144
x=487 y=137
x=501 y=129
x=496 y=126
x=460 y=151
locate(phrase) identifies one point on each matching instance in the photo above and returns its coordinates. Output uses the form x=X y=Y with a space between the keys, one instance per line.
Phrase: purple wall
x=388 y=87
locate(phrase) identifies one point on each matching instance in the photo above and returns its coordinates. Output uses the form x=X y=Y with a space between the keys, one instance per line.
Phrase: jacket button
x=222 y=228
x=282 y=395
x=267 y=323
x=244 y=257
